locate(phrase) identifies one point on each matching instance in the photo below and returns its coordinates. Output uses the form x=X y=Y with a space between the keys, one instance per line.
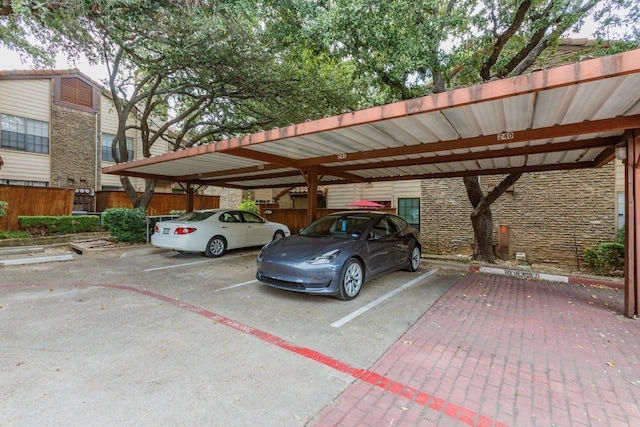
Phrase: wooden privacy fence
x=42 y=201
x=24 y=201
x=161 y=203
x=296 y=219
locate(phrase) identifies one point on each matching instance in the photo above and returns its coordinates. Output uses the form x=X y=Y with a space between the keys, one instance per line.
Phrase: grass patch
x=14 y=234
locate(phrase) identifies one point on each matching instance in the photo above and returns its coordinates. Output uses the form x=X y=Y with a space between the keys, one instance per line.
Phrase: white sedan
x=216 y=230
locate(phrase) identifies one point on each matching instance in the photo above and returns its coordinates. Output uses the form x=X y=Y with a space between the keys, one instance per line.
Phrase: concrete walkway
x=498 y=350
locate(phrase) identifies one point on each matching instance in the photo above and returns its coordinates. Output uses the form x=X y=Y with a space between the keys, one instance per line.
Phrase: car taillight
x=184 y=230
x=156 y=229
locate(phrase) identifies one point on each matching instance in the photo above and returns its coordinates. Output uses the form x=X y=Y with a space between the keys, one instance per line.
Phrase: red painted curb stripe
x=595 y=282
x=421 y=398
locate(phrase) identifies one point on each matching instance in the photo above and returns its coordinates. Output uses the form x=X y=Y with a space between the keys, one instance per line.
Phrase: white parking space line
x=198 y=262
x=372 y=304
x=236 y=286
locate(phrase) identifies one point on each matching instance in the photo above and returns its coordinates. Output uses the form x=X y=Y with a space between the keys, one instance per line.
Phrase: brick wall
x=73 y=148
x=286 y=202
x=550 y=215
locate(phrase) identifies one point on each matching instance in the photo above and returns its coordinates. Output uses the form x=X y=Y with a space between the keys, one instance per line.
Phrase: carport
x=576 y=116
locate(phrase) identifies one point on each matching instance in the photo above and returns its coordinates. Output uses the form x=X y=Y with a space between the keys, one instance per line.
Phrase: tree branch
x=493 y=195
x=503 y=38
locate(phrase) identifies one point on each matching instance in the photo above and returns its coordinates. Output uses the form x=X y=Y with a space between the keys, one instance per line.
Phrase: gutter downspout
x=95 y=178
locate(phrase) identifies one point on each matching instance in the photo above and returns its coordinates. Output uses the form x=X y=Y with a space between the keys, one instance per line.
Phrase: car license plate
x=165 y=231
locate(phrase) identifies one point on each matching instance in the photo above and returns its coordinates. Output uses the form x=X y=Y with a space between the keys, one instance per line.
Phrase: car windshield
x=342 y=227
x=196 y=216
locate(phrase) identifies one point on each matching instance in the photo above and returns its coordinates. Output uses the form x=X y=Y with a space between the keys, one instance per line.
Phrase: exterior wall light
x=621 y=151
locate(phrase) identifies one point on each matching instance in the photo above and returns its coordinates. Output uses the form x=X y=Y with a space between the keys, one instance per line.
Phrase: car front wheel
x=414 y=260
x=216 y=247
x=351 y=279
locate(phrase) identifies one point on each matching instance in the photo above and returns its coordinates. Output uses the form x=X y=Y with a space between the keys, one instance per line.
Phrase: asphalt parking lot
x=140 y=337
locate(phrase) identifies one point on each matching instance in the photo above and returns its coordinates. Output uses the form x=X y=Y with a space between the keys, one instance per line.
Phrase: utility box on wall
x=503 y=239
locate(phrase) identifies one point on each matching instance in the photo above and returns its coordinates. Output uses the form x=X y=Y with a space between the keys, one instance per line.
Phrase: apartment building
x=57 y=127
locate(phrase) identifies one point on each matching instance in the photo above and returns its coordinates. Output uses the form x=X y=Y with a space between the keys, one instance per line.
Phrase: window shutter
x=75 y=91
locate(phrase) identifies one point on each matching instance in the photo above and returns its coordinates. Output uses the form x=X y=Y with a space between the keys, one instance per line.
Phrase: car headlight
x=261 y=253
x=325 y=258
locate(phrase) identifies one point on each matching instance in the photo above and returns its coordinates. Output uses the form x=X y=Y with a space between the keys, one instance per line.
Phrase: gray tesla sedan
x=336 y=254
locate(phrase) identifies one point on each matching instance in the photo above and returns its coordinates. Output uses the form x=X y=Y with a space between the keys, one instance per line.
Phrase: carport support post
x=311 y=176
x=189 y=207
x=632 y=225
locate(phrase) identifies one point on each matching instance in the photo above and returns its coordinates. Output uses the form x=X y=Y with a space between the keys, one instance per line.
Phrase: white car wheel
x=216 y=247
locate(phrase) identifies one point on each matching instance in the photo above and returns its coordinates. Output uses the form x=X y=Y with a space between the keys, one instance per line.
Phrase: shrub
x=248 y=204
x=607 y=258
x=622 y=233
x=3 y=208
x=126 y=225
x=48 y=225
x=177 y=212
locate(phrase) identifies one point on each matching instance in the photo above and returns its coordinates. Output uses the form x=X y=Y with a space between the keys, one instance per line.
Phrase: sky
x=10 y=60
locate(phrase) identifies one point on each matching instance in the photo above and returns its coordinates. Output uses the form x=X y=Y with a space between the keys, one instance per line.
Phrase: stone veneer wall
x=550 y=215
x=73 y=148
x=230 y=198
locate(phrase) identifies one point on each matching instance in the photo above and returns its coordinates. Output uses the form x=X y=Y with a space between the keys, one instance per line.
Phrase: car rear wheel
x=216 y=247
x=278 y=235
x=351 y=279
x=414 y=259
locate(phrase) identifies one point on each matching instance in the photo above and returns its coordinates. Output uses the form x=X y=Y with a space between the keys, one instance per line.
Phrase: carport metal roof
x=567 y=117
x=562 y=118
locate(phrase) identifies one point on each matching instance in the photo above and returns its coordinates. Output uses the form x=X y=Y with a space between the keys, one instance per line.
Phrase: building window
x=20 y=133
x=409 y=210
x=24 y=183
x=107 y=142
x=620 y=209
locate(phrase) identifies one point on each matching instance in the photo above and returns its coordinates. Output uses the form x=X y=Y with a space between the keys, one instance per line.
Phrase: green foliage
x=126 y=225
x=606 y=258
x=3 y=208
x=621 y=235
x=178 y=212
x=14 y=235
x=49 y=225
x=248 y=204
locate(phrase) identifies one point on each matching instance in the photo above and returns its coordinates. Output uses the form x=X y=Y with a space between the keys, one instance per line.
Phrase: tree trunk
x=139 y=201
x=483 y=236
x=481 y=217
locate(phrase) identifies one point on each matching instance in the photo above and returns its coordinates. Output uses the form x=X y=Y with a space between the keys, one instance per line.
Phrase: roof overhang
x=569 y=117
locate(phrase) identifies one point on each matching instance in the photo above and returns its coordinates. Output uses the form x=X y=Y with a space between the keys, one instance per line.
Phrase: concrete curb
x=144 y=251
x=22 y=261
x=522 y=274
x=20 y=250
